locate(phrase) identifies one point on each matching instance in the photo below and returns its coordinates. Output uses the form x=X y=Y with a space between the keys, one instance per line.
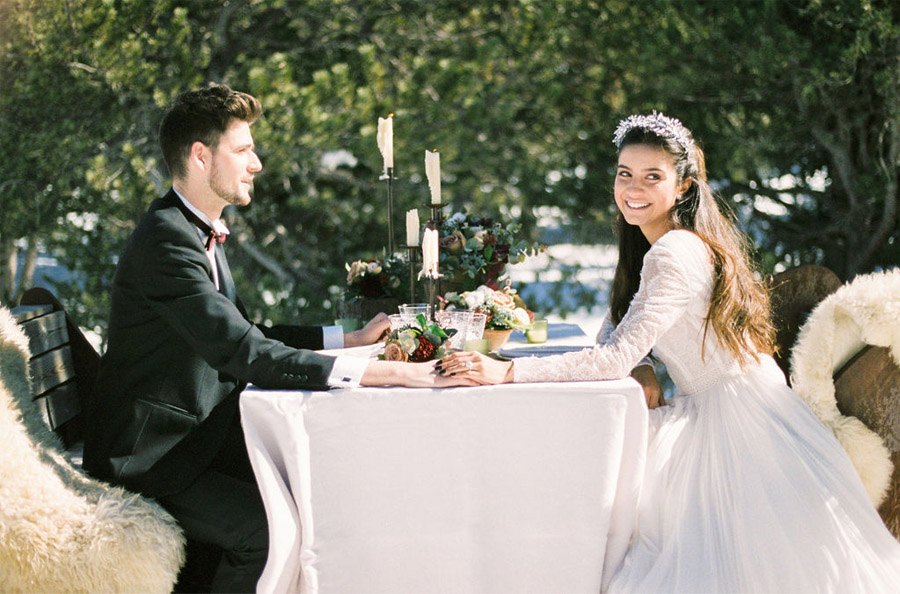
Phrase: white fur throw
x=61 y=531
x=863 y=312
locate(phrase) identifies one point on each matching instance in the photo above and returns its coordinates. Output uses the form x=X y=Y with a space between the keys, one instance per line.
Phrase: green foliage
x=795 y=103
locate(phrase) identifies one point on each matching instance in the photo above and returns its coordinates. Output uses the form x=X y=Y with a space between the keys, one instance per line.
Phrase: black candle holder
x=412 y=252
x=430 y=286
x=437 y=215
x=389 y=176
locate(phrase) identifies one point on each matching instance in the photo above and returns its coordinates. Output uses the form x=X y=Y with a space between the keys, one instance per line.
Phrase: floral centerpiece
x=422 y=341
x=373 y=286
x=375 y=278
x=475 y=250
x=504 y=309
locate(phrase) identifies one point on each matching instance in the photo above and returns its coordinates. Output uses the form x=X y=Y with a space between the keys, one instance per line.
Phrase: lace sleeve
x=663 y=295
x=607 y=327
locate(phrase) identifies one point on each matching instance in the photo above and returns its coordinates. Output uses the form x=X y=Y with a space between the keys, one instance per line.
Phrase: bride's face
x=646 y=187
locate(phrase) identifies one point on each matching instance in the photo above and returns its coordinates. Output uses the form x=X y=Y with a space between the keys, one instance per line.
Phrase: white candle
x=429 y=254
x=386 y=140
x=412 y=227
x=433 y=173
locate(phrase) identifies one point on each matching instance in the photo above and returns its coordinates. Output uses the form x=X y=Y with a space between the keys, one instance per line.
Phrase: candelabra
x=412 y=252
x=389 y=176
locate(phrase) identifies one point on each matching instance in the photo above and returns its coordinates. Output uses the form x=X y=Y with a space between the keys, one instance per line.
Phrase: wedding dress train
x=745 y=490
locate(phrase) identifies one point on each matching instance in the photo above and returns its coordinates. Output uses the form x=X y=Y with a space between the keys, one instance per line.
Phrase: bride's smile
x=645 y=188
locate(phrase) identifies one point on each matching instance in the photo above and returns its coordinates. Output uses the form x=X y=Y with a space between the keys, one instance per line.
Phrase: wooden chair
x=835 y=339
x=63 y=530
x=63 y=363
x=63 y=369
x=868 y=387
x=795 y=293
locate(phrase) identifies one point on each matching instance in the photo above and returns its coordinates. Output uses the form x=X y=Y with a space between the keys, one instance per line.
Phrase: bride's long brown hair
x=739 y=310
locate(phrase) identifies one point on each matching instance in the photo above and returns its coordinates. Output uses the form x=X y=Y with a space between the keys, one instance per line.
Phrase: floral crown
x=657 y=123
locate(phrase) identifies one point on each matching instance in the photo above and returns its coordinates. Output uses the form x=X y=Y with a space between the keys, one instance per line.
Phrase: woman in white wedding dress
x=745 y=490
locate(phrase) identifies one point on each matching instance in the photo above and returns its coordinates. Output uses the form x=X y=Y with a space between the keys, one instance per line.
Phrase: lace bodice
x=666 y=315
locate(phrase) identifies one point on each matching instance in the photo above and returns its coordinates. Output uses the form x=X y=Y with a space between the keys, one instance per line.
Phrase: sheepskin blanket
x=61 y=531
x=863 y=312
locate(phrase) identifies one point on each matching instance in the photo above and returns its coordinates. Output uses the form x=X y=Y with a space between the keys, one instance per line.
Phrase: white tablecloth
x=514 y=488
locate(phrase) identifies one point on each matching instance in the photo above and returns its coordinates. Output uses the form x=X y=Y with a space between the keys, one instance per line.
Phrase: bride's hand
x=475 y=367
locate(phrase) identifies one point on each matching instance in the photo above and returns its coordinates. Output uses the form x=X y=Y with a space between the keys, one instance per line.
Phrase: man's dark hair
x=202 y=115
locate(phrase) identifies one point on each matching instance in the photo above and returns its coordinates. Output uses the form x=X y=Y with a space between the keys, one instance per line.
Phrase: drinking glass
x=457 y=319
x=409 y=311
x=397 y=321
x=476 y=327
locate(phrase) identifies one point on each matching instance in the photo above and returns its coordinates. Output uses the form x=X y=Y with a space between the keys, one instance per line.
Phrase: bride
x=745 y=489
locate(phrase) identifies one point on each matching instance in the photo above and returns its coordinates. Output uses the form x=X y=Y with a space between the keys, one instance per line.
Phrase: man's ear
x=199 y=157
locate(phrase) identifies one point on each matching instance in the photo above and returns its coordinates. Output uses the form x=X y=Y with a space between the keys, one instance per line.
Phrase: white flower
x=521 y=316
x=473 y=299
x=486 y=292
x=373 y=268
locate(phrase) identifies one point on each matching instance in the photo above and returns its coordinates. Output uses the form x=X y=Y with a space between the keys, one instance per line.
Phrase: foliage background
x=795 y=102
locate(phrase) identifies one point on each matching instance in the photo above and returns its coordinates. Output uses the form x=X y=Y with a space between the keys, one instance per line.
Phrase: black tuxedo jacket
x=179 y=353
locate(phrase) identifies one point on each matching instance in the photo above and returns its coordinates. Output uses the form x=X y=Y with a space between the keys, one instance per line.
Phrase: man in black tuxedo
x=164 y=419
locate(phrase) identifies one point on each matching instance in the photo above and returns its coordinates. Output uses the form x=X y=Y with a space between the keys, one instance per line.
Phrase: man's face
x=234 y=163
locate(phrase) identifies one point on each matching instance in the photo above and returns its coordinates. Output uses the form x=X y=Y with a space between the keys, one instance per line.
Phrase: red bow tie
x=219 y=237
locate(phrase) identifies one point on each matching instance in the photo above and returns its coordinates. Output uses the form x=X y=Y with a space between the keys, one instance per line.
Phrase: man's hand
x=370 y=333
x=646 y=377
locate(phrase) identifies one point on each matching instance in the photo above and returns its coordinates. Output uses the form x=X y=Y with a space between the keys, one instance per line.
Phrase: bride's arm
x=663 y=295
x=644 y=372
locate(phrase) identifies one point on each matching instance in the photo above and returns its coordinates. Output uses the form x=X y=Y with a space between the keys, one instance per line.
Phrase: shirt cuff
x=332 y=337
x=347 y=372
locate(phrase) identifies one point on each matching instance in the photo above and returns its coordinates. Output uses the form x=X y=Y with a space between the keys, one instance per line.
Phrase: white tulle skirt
x=746 y=491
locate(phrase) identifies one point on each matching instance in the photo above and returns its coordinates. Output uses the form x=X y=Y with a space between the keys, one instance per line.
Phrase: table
x=513 y=488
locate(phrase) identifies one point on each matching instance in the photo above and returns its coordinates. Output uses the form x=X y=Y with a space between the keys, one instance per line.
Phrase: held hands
x=371 y=333
x=646 y=377
x=474 y=369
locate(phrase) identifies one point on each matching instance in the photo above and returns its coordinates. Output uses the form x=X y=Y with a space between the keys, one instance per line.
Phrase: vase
x=363 y=309
x=496 y=338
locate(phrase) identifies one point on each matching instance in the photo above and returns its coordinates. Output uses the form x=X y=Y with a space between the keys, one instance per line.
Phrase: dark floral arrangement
x=475 y=250
x=376 y=278
x=424 y=341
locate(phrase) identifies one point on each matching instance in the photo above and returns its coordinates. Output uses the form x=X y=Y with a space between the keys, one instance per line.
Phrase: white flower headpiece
x=661 y=125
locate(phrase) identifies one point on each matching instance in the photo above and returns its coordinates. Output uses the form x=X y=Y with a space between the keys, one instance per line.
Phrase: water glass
x=537 y=332
x=476 y=327
x=460 y=320
x=397 y=321
x=409 y=311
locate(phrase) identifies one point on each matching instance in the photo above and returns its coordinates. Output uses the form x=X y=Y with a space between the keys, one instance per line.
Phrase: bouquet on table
x=376 y=278
x=475 y=250
x=504 y=309
x=418 y=342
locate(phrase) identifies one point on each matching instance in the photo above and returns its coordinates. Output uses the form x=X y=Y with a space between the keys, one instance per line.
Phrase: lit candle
x=433 y=173
x=429 y=254
x=412 y=227
x=386 y=140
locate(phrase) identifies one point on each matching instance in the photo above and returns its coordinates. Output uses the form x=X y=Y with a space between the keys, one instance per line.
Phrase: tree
x=519 y=96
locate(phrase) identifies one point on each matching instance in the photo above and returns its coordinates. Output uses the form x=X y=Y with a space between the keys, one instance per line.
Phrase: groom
x=164 y=418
